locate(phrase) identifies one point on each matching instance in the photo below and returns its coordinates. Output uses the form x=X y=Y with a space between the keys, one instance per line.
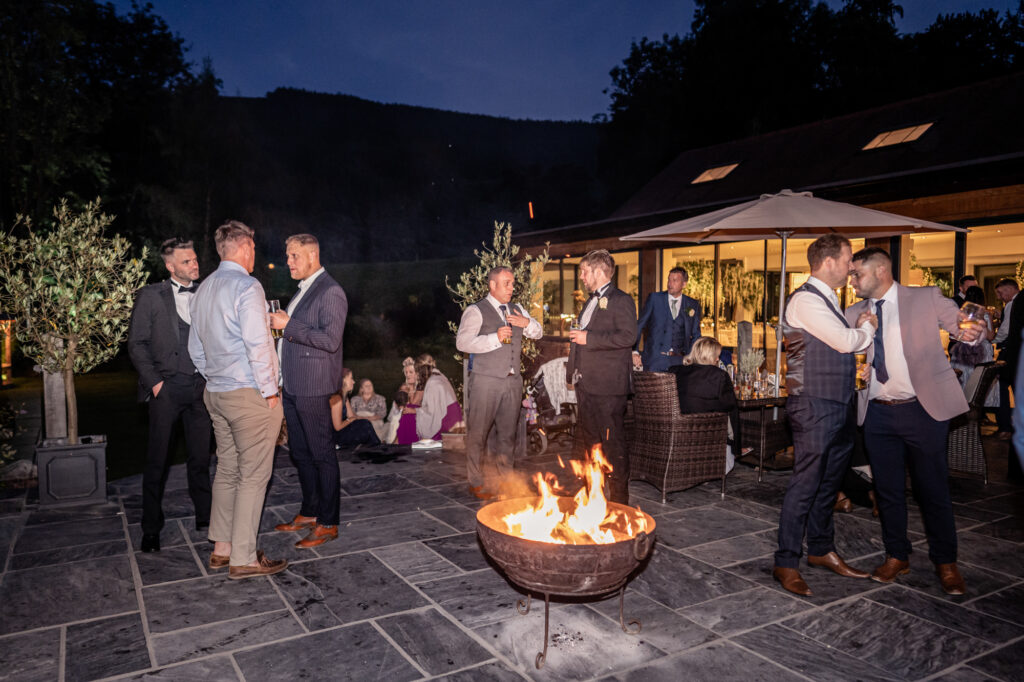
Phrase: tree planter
x=72 y=474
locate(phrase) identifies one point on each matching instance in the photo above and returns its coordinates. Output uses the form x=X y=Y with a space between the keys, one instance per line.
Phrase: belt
x=901 y=401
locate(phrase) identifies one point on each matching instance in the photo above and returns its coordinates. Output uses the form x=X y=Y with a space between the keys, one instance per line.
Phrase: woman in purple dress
x=433 y=409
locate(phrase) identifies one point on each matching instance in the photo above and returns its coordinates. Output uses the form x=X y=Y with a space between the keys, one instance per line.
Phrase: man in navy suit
x=168 y=381
x=672 y=322
x=599 y=367
x=311 y=369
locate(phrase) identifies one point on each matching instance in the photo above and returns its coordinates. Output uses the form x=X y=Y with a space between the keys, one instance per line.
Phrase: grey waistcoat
x=498 y=362
x=813 y=367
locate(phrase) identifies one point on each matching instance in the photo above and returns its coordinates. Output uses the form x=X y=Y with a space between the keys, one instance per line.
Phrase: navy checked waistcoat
x=813 y=367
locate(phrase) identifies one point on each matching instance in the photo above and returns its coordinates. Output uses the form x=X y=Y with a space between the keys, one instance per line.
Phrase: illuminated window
x=887 y=139
x=716 y=173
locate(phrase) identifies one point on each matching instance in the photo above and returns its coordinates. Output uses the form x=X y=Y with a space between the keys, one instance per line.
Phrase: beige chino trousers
x=246 y=429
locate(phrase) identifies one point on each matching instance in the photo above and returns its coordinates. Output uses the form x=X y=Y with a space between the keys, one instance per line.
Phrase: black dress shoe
x=150 y=543
x=202 y=525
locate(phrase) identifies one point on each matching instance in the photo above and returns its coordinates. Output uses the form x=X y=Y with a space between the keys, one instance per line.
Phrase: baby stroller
x=548 y=421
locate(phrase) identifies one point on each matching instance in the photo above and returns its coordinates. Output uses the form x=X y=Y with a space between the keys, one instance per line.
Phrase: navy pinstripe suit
x=311 y=365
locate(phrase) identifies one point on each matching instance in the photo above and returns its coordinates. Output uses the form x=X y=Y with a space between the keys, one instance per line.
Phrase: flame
x=582 y=519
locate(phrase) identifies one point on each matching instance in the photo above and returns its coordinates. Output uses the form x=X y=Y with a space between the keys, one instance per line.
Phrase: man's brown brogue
x=952 y=582
x=791 y=580
x=887 y=572
x=300 y=522
x=264 y=566
x=835 y=563
x=218 y=561
x=318 y=536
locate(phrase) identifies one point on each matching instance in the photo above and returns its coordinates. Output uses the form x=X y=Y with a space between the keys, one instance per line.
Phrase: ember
x=583 y=519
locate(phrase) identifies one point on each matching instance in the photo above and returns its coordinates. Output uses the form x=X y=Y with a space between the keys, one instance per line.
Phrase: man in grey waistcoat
x=492 y=331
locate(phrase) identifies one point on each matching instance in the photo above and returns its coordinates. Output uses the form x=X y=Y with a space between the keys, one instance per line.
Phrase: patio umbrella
x=788 y=214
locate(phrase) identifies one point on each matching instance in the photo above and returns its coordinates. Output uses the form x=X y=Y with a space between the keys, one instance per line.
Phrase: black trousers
x=311 y=441
x=601 y=419
x=823 y=435
x=902 y=437
x=181 y=397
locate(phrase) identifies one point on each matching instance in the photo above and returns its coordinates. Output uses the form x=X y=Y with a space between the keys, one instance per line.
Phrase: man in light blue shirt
x=231 y=346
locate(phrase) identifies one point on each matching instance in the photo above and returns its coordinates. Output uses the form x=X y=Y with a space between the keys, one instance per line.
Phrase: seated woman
x=350 y=431
x=370 y=405
x=407 y=389
x=704 y=387
x=433 y=409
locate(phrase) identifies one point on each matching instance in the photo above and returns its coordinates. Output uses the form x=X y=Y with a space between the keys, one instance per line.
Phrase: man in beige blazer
x=905 y=410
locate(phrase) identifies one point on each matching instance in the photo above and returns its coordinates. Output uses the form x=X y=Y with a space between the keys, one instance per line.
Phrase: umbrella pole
x=782 y=302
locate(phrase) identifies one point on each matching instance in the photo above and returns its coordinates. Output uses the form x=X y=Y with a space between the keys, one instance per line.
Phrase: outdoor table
x=762 y=404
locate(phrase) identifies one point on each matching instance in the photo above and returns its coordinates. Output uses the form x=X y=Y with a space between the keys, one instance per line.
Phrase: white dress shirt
x=1004 y=326
x=588 y=310
x=470 y=340
x=808 y=312
x=181 y=301
x=898 y=387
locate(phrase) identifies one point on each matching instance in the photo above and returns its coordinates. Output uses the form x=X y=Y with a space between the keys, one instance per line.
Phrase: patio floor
x=406 y=593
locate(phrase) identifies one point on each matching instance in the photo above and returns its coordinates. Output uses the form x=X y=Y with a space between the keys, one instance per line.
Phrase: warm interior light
x=898 y=136
x=716 y=173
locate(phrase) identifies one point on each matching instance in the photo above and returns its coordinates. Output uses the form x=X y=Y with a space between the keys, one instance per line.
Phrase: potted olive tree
x=71 y=288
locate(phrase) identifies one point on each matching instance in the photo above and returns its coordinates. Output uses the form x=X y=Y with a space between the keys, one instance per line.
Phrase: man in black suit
x=169 y=382
x=600 y=366
x=311 y=368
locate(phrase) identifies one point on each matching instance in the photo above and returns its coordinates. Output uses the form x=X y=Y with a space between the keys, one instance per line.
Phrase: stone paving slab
x=406 y=592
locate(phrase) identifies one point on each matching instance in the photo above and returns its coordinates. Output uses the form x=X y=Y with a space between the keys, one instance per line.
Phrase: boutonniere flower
x=602 y=302
x=690 y=312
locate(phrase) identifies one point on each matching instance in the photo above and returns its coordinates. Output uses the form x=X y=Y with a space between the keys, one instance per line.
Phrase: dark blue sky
x=543 y=59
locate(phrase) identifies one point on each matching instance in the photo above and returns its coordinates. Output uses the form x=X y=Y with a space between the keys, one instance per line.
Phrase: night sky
x=541 y=59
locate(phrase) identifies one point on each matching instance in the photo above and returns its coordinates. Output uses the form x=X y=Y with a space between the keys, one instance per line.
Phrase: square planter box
x=72 y=474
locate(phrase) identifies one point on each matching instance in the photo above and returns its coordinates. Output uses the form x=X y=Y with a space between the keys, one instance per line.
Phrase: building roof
x=976 y=141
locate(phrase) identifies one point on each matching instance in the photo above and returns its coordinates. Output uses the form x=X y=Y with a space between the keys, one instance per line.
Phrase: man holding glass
x=820 y=381
x=912 y=394
x=492 y=330
x=311 y=369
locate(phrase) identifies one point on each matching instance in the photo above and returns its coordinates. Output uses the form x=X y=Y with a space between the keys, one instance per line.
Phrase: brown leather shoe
x=874 y=503
x=843 y=504
x=791 y=580
x=835 y=563
x=952 y=582
x=318 y=536
x=298 y=523
x=264 y=566
x=218 y=561
x=887 y=572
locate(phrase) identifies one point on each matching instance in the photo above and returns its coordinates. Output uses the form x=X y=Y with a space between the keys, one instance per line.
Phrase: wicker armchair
x=669 y=450
x=964 y=449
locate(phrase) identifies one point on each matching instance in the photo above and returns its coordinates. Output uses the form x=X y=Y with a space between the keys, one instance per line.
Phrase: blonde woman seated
x=370 y=406
x=433 y=409
x=705 y=387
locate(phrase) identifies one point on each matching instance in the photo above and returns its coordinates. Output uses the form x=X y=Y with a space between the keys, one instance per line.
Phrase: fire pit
x=570 y=546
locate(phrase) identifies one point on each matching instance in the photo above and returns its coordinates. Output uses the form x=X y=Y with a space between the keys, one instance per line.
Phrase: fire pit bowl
x=550 y=568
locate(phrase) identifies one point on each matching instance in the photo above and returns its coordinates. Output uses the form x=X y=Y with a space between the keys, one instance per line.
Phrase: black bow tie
x=595 y=294
x=187 y=290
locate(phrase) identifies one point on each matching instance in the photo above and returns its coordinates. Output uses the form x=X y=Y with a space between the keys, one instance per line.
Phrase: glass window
x=930 y=258
x=994 y=252
x=564 y=293
x=891 y=137
x=716 y=173
x=699 y=263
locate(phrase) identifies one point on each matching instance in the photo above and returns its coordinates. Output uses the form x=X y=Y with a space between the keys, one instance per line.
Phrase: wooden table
x=761 y=404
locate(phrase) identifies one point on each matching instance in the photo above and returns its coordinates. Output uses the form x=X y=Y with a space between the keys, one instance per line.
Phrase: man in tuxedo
x=311 y=366
x=672 y=323
x=492 y=330
x=965 y=283
x=169 y=382
x=905 y=410
x=820 y=381
x=601 y=369
x=1009 y=342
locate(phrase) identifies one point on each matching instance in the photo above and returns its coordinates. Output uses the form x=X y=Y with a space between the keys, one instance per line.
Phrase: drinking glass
x=862 y=359
x=971 y=315
x=274 y=306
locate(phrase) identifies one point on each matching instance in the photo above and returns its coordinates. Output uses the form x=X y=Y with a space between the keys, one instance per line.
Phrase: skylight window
x=891 y=137
x=716 y=173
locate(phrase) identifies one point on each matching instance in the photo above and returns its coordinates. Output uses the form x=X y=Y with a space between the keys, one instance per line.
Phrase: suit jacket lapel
x=310 y=294
x=167 y=294
x=906 y=324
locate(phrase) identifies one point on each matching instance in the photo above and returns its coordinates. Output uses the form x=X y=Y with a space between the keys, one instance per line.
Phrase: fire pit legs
x=523 y=607
x=622 y=620
x=539 y=661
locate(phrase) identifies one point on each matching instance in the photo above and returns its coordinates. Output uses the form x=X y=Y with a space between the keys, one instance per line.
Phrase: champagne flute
x=274 y=306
